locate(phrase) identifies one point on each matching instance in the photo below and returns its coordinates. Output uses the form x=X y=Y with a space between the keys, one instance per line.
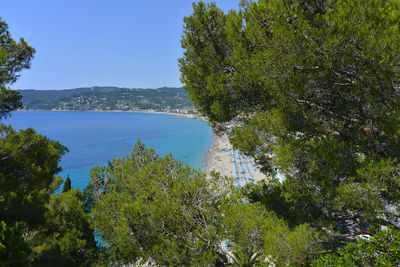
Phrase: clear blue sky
x=79 y=43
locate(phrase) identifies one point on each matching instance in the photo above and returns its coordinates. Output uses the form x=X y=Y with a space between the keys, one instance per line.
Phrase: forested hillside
x=106 y=98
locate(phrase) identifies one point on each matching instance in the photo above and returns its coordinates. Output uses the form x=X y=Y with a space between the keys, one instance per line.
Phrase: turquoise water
x=93 y=138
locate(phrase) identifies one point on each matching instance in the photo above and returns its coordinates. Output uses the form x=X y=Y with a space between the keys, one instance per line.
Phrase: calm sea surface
x=93 y=138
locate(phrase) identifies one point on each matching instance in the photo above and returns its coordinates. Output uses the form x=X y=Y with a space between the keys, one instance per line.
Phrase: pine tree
x=67 y=185
x=312 y=87
x=14 y=57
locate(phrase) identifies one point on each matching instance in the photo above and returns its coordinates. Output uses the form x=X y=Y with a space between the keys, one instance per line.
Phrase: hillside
x=107 y=98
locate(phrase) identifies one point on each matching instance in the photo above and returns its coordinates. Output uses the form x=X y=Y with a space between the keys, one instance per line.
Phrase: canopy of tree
x=151 y=209
x=36 y=227
x=312 y=87
x=28 y=164
x=14 y=57
x=383 y=249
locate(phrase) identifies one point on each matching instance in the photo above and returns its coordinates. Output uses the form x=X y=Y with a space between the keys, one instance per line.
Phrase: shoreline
x=238 y=166
x=217 y=160
x=186 y=115
x=218 y=156
x=207 y=156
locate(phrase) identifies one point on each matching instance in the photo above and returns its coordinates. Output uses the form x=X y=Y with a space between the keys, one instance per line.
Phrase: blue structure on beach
x=248 y=170
x=236 y=171
x=252 y=164
x=241 y=168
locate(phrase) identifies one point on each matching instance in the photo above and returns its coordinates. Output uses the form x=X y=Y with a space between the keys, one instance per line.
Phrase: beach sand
x=220 y=159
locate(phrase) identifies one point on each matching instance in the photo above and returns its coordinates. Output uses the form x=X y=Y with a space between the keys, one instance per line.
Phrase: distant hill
x=107 y=98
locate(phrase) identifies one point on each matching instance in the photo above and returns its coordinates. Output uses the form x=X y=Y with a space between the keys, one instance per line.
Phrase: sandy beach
x=228 y=162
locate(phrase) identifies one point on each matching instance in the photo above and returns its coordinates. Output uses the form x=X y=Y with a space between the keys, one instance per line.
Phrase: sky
x=84 y=43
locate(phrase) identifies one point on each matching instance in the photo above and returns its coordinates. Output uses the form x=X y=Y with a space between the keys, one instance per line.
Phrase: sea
x=94 y=138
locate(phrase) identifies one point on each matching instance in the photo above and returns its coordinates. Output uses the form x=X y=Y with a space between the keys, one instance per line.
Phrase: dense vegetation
x=309 y=87
x=312 y=88
x=156 y=210
x=106 y=98
x=37 y=227
x=383 y=249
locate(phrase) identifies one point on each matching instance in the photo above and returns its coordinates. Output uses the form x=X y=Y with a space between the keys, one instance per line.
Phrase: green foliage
x=383 y=249
x=67 y=185
x=9 y=100
x=311 y=88
x=65 y=238
x=14 y=57
x=56 y=227
x=14 y=250
x=244 y=258
x=204 y=67
x=28 y=164
x=145 y=207
x=259 y=232
x=36 y=227
x=271 y=195
x=154 y=208
x=106 y=98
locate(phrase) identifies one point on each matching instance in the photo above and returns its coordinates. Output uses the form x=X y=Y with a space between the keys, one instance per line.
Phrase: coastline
x=186 y=115
x=207 y=156
x=221 y=159
x=218 y=157
x=90 y=145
